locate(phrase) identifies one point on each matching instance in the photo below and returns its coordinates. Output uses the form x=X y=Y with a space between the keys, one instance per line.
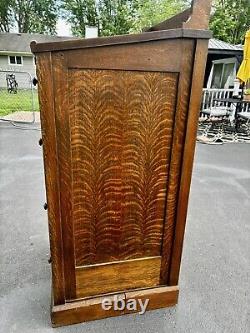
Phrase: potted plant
x=247 y=94
x=247 y=91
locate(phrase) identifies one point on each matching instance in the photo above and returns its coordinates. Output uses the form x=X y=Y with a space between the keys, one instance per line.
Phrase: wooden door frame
x=180 y=165
x=62 y=62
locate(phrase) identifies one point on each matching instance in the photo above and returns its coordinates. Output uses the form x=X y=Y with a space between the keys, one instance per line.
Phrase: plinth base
x=109 y=305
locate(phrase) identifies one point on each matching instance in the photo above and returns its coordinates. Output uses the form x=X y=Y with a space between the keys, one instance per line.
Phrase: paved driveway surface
x=214 y=284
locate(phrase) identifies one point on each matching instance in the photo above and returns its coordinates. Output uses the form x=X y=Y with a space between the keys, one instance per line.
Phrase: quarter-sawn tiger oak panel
x=121 y=130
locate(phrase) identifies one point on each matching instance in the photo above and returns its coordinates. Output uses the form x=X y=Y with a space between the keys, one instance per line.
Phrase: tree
x=151 y=12
x=6 y=19
x=80 y=13
x=112 y=17
x=38 y=16
x=230 y=20
x=124 y=16
x=116 y=17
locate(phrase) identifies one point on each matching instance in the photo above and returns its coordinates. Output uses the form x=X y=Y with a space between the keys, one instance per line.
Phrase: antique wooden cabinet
x=119 y=118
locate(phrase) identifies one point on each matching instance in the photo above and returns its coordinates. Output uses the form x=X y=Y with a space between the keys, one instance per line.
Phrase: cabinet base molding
x=92 y=308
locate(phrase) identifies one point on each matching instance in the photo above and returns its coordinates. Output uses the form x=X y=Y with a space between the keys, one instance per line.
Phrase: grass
x=21 y=101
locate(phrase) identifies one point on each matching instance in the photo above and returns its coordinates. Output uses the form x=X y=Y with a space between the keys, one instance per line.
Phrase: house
x=16 y=56
x=223 y=58
x=223 y=62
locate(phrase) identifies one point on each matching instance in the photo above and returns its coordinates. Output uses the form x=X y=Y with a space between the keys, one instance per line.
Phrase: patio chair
x=220 y=112
x=217 y=119
x=244 y=116
x=244 y=121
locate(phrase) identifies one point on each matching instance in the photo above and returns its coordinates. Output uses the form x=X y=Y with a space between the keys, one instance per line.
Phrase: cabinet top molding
x=195 y=17
x=192 y=23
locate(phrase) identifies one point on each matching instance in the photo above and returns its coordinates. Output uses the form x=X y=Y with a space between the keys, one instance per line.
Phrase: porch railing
x=209 y=96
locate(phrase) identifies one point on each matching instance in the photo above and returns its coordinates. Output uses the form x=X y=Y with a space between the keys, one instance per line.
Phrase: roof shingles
x=216 y=44
x=20 y=42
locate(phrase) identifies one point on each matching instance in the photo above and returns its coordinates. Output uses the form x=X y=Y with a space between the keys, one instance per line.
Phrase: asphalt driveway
x=215 y=275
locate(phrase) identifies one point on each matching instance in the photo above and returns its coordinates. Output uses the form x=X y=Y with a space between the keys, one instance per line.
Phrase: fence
x=210 y=96
x=17 y=93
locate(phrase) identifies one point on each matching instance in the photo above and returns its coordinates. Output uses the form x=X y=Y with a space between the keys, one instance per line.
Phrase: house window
x=15 y=60
x=222 y=74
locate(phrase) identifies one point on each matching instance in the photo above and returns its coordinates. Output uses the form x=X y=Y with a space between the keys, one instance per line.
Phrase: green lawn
x=21 y=101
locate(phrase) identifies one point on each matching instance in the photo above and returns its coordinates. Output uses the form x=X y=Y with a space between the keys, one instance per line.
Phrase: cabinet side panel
x=45 y=89
x=189 y=148
x=62 y=122
x=121 y=136
x=175 y=169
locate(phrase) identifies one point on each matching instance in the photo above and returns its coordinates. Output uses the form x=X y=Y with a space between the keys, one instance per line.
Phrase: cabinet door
x=120 y=138
x=114 y=134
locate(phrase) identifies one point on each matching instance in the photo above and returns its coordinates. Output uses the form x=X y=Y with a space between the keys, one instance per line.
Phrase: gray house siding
x=20 y=71
x=18 y=44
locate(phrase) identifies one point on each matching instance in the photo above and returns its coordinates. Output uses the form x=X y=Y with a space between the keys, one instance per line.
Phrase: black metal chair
x=12 y=84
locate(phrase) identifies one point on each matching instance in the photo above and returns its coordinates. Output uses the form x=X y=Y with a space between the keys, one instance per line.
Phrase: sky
x=63 y=28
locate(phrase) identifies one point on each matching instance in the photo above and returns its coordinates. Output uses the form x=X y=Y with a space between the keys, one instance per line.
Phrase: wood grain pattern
x=85 y=310
x=119 y=117
x=46 y=100
x=105 y=278
x=164 y=57
x=62 y=123
x=121 y=134
x=91 y=309
x=160 y=297
x=176 y=157
x=188 y=157
x=128 y=40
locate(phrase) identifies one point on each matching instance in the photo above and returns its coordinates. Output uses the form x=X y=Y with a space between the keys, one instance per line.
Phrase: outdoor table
x=239 y=103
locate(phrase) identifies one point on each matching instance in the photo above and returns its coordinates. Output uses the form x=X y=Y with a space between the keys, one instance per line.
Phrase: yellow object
x=244 y=71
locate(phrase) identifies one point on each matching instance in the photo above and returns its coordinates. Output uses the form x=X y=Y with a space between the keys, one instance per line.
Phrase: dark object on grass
x=11 y=83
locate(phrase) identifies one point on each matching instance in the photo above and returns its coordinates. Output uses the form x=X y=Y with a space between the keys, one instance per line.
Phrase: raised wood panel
x=106 y=278
x=160 y=57
x=121 y=126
